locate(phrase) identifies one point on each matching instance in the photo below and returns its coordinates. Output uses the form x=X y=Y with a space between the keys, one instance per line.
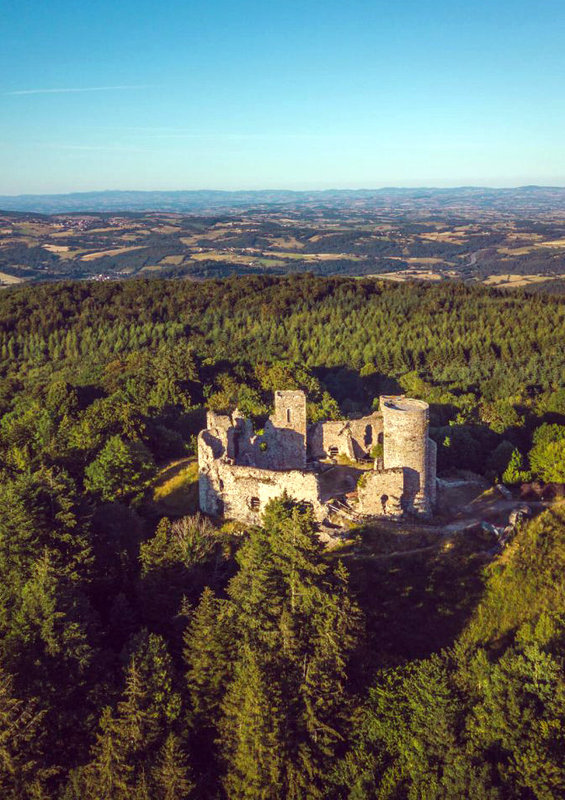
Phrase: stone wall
x=281 y=443
x=432 y=471
x=241 y=469
x=290 y=411
x=380 y=492
x=211 y=455
x=353 y=438
x=247 y=490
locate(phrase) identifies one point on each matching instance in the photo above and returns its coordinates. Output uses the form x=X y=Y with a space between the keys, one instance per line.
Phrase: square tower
x=290 y=411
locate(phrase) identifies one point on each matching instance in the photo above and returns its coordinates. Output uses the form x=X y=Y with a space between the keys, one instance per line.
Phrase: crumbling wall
x=290 y=411
x=330 y=439
x=211 y=452
x=380 y=492
x=353 y=438
x=432 y=471
x=247 y=490
x=281 y=443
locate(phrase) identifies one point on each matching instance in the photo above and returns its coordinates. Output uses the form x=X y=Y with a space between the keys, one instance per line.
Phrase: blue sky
x=295 y=94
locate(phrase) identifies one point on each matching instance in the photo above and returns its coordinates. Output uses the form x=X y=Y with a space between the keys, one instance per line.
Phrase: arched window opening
x=254 y=503
x=368 y=435
x=333 y=451
x=381 y=438
x=288 y=415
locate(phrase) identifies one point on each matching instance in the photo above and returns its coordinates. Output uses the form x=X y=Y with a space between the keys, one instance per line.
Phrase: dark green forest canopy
x=159 y=658
x=461 y=336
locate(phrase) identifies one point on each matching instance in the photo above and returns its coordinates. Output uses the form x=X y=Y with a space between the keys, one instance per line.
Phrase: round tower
x=406 y=445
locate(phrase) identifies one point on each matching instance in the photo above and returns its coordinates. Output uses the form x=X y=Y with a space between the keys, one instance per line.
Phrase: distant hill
x=527 y=197
x=511 y=238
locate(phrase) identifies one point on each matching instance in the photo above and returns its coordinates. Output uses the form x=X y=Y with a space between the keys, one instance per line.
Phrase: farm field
x=515 y=241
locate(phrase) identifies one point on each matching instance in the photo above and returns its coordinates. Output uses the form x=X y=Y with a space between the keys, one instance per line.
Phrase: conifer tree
x=21 y=773
x=109 y=776
x=207 y=643
x=252 y=744
x=296 y=626
x=171 y=773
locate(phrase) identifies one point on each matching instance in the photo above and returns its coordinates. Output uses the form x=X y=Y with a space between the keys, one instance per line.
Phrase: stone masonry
x=241 y=469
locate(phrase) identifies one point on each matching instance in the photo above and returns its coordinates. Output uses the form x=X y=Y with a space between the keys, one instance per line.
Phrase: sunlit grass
x=176 y=488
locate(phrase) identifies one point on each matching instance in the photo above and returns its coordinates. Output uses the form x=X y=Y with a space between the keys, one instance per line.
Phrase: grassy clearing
x=418 y=590
x=177 y=259
x=516 y=281
x=515 y=251
x=411 y=274
x=165 y=229
x=5 y=278
x=56 y=248
x=554 y=243
x=115 y=252
x=286 y=241
x=270 y=262
x=444 y=236
x=218 y=255
x=32 y=229
x=175 y=492
x=291 y=256
x=414 y=260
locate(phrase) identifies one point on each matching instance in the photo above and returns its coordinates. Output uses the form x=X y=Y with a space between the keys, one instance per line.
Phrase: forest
x=173 y=657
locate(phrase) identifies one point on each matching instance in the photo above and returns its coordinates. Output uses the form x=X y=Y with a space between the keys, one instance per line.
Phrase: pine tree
x=208 y=640
x=122 y=469
x=296 y=626
x=252 y=745
x=515 y=472
x=171 y=774
x=109 y=776
x=21 y=773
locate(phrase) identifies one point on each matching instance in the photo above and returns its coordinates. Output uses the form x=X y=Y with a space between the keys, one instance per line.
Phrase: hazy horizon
x=299 y=190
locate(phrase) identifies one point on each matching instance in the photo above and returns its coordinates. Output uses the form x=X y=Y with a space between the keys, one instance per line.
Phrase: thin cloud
x=70 y=90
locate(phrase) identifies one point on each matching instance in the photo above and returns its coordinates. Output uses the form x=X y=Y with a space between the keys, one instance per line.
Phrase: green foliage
x=297 y=626
x=547 y=456
x=122 y=470
x=174 y=565
x=500 y=457
x=21 y=774
x=515 y=471
x=149 y=662
x=171 y=773
x=529 y=581
x=377 y=451
x=485 y=719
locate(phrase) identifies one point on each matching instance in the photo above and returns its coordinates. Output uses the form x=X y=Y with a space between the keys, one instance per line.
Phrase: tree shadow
x=345 y=383
x=415 y=605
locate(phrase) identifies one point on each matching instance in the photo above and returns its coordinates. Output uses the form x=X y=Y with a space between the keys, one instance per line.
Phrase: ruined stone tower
x=408 y=446
x=289 y=420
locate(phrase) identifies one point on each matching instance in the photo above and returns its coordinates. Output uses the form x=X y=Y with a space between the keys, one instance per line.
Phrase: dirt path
x=500 y=509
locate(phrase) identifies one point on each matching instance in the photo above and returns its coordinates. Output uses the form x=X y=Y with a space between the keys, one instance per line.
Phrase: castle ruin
x=241 y=469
